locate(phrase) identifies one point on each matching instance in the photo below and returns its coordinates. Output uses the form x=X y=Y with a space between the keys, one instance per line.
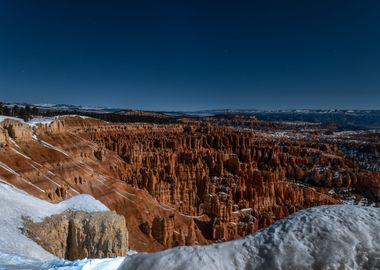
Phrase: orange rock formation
x=179 y=184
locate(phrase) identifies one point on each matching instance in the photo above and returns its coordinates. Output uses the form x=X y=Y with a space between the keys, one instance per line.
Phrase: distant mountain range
x=363 y=119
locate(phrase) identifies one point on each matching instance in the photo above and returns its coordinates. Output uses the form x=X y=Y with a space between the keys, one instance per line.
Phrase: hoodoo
x=188 y=183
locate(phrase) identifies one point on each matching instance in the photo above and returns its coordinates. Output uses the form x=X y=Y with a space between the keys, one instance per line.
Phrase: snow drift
x=327 y=237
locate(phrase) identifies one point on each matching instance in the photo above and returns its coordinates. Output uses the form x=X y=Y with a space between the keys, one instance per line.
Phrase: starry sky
x=191 y=55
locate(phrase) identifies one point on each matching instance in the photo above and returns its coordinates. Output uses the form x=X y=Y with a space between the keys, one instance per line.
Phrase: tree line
x=27 y=112
x=23 y=112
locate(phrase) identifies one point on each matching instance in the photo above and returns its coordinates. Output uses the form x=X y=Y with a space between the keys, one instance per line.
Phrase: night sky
x=190 y=55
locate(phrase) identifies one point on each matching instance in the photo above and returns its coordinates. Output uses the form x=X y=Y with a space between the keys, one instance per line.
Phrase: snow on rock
x=16 y=204
x=4 y=117
x=32 y=122
x=327 y=237
x=40 y=121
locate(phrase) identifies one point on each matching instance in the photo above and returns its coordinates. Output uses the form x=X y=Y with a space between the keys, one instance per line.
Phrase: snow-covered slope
x=3 y=118
x=40 y=121
x=328 y=237
x=15 y=204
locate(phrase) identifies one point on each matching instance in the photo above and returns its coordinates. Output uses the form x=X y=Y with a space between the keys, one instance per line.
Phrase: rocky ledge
x=76 y=235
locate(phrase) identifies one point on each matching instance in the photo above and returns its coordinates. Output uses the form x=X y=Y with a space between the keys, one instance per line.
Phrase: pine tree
x=35 y=111
x=6 y=111
x=15 y=110
x=27 y=111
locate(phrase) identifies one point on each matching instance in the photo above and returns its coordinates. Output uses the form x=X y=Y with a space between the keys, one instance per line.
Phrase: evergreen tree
x=15 y=110
x=27 y=112
x=35 y=111
x=6 y=110
x=22 y=114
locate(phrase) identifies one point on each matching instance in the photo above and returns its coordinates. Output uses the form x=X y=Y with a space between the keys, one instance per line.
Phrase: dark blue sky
x=186 y=55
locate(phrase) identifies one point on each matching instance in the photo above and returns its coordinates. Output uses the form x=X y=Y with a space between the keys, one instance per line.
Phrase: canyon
x=194 y=181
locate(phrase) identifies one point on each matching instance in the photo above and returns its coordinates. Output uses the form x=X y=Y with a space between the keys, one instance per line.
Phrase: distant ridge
x=343 y=118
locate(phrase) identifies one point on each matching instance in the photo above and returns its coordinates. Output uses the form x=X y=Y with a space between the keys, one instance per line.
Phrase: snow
x=53 y=147
x=3 y=117
x=86 y=264
x=21 y=154
x=10 y=170
x=72 y=115
x=32 y=122
x=15 y=205
x=48 y=145
x=40 y=121
x=327 y=237
x=7 y=168
x=19 y=262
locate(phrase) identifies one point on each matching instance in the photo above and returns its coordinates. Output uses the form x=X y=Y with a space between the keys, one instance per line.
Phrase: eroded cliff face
x=17 y=130
x=4 y=139
x=55 y=163
x=185 y=184
x=77 y=235
x=238 y=180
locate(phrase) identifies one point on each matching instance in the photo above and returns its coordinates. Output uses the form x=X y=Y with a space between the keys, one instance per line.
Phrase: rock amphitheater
x=187 y=183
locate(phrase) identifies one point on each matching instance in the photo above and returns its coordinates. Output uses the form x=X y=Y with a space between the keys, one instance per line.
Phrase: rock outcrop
x=4 y=139
x=17 y=130
x=77 y=235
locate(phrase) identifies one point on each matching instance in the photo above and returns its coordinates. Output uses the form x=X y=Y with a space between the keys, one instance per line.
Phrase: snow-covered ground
x=327 y=237
x=3 y=117
x=40 y=121
x=15 y=248
x=32 y=122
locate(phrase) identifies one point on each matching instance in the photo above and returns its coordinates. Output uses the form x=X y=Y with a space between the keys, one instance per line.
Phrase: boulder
x=77 y=235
